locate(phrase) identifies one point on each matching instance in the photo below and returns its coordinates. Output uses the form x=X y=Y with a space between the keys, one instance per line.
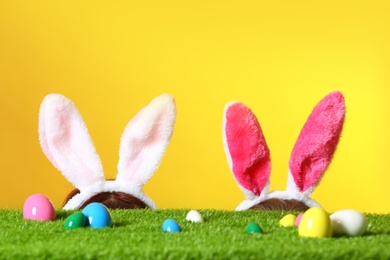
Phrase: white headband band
x=65 y=141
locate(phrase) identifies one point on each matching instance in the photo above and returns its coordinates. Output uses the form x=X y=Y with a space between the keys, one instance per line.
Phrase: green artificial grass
x=137 y=234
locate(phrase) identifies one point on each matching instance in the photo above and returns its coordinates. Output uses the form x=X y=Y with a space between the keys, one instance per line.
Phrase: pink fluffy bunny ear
x=145 y=140
x=247 y=153
x=66 y=143
x=315 y=146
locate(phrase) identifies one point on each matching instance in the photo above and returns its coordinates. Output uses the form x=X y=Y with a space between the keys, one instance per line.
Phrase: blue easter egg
x=97 y=215
x=170 y=225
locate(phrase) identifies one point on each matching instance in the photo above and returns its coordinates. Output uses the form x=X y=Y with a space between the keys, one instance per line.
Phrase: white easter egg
x=194 y=216
x=348 y=222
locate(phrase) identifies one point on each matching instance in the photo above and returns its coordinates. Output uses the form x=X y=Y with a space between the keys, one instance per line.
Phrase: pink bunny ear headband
x=66 y=143
x=249 y=157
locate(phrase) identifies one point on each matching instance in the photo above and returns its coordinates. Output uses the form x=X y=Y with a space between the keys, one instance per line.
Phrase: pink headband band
x=249 y=157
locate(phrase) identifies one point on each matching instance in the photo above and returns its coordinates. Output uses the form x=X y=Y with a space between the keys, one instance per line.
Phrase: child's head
x=112 y=200
x=280 y=205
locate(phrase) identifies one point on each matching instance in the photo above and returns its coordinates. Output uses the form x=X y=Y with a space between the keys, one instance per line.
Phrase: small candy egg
x=194 y=216
x=348 y=222
x=254 y=228
x=298 y=219
x=170 y=225
x=288 y=221
x=97 y=215
x=38 y=207
x=76 y=220
x=315 y=222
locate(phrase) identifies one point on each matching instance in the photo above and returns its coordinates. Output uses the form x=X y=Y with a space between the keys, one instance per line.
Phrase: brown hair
x=280 y=205
x=112 y=200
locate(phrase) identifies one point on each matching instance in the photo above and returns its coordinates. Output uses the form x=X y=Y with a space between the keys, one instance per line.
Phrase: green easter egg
x=76 y=220
x=254 y=228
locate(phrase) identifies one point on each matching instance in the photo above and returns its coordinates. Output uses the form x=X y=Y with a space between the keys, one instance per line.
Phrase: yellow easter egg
x=315 y=223
x=288 y=221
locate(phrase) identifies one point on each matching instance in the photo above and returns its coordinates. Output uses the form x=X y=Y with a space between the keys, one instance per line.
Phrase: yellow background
x=279 y=57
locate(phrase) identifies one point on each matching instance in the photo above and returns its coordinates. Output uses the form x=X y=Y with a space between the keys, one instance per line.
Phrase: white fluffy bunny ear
x=145 y=140
x=66 y=143
x=315 y=146
x=247 y=153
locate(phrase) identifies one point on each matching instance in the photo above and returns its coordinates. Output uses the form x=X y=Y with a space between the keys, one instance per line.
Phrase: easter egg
x=298 y=219
x=288 y=221
x=76 y=220
x=38 y=207
x=97 y=215
x=170 y=225
x=348 y=222
x=194 y=216
x=254 y=228
x=315 y=223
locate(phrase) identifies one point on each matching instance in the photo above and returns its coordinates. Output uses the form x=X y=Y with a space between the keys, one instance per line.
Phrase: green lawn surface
x=137 y=234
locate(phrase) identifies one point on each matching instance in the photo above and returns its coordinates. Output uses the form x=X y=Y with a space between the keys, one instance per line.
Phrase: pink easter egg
x=38 y=207
x=298 y=219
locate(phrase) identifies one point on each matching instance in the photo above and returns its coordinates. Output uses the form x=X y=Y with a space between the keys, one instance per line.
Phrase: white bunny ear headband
x=249 y=157
x=66 y=143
